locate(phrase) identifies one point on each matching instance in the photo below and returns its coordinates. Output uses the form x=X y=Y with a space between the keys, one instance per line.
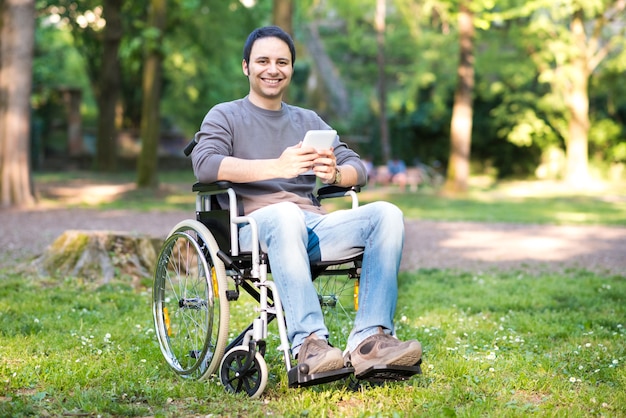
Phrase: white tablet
x=319 y=139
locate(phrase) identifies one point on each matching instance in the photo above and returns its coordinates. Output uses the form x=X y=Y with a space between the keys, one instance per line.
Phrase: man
x=255 y=143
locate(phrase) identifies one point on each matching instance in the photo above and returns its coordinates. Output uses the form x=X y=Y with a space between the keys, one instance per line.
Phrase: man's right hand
x=296 y=160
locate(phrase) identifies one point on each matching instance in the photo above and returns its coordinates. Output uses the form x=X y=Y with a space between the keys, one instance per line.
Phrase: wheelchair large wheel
x=338 y=296
x=239 y=373
x=190 y=307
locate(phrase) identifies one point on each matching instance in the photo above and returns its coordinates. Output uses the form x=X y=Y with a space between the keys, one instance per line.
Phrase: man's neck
x=266 y=103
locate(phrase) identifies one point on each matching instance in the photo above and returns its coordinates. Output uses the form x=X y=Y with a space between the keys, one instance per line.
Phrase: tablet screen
x=319 y=139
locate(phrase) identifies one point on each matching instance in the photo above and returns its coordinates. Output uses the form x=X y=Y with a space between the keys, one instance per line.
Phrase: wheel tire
x=235 y=379
x=190 y=308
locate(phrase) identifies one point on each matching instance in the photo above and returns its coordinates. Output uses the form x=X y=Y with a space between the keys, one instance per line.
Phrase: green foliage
x=519 y=46
x=202 y=65
x=207 y=70
x=550 y=42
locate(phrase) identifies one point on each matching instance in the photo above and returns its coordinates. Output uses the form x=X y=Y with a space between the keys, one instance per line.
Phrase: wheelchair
x=199 y=278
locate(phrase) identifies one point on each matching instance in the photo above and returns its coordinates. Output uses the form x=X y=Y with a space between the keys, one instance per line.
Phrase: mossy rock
x=100 y=256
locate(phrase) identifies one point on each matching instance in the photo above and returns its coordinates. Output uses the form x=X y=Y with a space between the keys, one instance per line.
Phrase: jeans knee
x=387 y=213
x=286 y=215
x=286 y=209
x=282 y=221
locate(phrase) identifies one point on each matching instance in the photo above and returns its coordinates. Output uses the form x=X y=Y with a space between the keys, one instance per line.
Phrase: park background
x=509 y=89
x=94 y=113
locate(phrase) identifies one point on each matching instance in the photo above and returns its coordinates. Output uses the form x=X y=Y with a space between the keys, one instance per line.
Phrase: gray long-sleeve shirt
x=242 y=130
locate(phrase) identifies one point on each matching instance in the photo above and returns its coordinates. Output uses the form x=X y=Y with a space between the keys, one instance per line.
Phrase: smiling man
x=256 y=143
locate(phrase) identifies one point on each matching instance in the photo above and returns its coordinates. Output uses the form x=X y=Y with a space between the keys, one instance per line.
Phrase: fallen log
x=99 y=256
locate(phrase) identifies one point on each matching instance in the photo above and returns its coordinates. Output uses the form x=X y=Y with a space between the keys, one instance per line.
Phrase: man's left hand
x=325 y=166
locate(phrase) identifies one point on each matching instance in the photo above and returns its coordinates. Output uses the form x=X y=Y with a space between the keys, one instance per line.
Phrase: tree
x=355 y=58
x=17 y=29
x=282 y=15
x=152 y=79
x=462 y=112
x=97 y=27
x=568 y=41
x=379 y=26
x=109 y=87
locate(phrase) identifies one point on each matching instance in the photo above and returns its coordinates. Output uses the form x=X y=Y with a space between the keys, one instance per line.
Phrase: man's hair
x=268 y=32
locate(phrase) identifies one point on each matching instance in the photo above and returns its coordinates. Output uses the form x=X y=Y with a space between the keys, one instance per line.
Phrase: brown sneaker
x=319 y=355
x=384 y=350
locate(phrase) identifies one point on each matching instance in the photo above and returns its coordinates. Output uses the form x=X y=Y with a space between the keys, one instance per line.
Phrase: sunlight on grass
x=87 y=195
x=181 y=200
x=539 y=202
x=577 y=218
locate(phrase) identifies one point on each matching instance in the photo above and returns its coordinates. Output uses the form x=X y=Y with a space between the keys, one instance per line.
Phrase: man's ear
x=244 y=67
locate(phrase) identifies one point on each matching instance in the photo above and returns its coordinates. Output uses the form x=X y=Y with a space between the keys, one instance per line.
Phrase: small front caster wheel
x=238 y=373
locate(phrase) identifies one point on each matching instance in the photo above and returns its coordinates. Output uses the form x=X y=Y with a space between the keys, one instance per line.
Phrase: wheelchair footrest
x=383 y=373
x=299 y=379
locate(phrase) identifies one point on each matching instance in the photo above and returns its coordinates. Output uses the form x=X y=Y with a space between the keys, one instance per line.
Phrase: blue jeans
x=291 y=237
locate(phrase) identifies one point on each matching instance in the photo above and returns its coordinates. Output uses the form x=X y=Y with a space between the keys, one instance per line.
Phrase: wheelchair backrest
x=218 y=222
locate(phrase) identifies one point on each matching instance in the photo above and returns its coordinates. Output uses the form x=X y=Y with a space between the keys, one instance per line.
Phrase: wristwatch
x=337 y=179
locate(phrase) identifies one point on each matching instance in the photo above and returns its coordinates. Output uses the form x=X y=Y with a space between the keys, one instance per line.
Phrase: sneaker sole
x=405 y=358
x=336 y=364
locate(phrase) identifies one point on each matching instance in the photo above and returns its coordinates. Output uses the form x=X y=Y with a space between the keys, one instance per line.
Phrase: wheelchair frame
x=191 y=298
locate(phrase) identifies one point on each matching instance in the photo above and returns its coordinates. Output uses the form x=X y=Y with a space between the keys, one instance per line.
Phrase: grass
x=495 y=344
x=503 y=344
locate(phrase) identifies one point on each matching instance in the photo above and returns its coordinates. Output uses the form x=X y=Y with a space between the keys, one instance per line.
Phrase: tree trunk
x=109 y=88
x=282 y=15
x=150 y=115
x=17 y=34
x=577 y=100
x=382 y=86
x=72 y=98
x=462 y=111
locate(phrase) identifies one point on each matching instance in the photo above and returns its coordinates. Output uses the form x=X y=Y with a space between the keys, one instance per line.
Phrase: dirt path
x=466 y=246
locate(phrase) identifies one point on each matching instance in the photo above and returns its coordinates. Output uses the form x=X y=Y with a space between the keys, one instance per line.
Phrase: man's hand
x=325 y=166
x=297 y=160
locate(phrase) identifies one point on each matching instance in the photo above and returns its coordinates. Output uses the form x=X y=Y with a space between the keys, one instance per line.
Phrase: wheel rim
x=191 y=318
x=236 y=378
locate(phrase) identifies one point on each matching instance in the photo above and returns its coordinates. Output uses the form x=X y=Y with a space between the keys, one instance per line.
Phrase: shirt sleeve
x=346 y=156
x=213 y=144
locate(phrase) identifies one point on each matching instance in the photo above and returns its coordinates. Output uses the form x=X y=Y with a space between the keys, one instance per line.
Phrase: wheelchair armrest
x=331 y=191
x=217 y=186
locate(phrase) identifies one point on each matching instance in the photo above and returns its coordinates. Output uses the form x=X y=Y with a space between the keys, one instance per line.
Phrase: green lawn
x=503 y=344
x=495 y=344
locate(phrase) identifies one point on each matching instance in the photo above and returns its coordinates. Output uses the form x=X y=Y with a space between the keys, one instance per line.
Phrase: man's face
x=269 y=71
